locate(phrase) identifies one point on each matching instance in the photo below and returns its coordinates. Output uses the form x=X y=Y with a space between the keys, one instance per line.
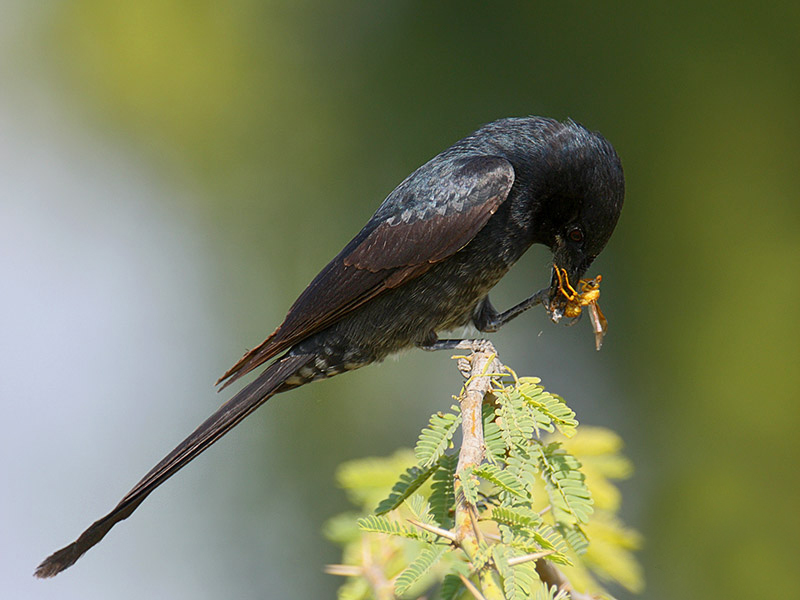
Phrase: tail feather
x=213 y=428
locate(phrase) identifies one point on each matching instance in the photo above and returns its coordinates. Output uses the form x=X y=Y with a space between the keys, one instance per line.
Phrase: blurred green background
x=173 y=173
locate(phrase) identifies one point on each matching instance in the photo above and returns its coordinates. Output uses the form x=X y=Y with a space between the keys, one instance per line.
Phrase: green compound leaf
x=469 y=485
x=549 y=539
x=443 y=499
x=610 y=554
x=517 y=517
x=500 y=555
x=420 y=509
x=533 y=409
x=355 y=588
x=514 y=418
x=548 y=593
x=418 y=568
x=575 y=537
x=527 y=580
x=519 y=581
x=569 y=496
x=542 y=538
x=482 y=556
x=366 y=481
x=342 y=528
x=409 y=482
x=548 y=409
x=492 y=436
x=563 y=416
x=451 y=588
x=379 y=524
x=520 y=464
x=436 y=437
x=501 y=478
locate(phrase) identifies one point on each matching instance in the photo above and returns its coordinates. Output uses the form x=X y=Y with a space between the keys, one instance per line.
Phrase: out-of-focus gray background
x=172 y=174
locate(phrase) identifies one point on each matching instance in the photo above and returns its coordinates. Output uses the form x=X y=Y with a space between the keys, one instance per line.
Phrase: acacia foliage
x=546 y=486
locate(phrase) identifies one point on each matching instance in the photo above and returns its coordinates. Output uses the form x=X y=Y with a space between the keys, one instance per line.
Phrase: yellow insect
x=587 y=294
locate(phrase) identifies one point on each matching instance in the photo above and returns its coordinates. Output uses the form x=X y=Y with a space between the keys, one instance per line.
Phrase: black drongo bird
x=423 y=264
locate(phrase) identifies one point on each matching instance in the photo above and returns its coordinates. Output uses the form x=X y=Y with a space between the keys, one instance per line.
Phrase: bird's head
x=580 y=188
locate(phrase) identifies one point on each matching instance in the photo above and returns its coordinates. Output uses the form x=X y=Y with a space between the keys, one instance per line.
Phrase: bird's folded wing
x=434 y=213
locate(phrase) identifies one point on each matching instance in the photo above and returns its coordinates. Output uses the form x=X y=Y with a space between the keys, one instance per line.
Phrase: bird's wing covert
x=434 y=213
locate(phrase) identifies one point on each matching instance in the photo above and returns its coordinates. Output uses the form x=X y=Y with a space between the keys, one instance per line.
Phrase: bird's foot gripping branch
x=525 y=509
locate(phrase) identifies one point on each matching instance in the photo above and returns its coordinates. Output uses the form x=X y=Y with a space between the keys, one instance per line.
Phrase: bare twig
x=344 y=570
x=471 y=587
x=370 y=569
x=475 y=368
x=445 y=533
x=473 y=519
x=478 y=368
x=382 y=588
x=518 y=560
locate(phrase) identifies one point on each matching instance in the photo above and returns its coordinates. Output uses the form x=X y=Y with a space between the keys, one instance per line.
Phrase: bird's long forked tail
x=223 y=420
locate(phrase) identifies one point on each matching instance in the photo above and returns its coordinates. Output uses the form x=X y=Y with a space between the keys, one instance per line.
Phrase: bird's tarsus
x=488 y=320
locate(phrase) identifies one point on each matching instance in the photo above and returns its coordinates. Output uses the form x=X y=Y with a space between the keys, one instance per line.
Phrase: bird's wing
x=434 y=213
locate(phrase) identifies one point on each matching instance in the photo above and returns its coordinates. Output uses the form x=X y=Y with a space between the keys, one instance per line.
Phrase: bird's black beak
x=568 y=267
x=556 y=301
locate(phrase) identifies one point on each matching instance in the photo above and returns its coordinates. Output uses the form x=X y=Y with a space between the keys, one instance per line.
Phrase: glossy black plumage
x=423 y=264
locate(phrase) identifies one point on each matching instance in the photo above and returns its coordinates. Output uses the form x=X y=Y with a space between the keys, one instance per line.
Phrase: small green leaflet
x=451 y=587
x=469 y=485
x=379 y=524
x=501 y=478
x=409 y=482
x=518 y=517
x=564 y=481
x=443 y=497
x=548 y=409
x=436 y=437
x=429 y=556
x=492 y=436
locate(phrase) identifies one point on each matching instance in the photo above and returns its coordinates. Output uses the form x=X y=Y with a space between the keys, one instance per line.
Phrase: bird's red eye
x=576 y=235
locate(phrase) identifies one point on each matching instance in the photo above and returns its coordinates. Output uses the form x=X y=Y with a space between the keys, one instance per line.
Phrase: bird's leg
x=488 y=320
